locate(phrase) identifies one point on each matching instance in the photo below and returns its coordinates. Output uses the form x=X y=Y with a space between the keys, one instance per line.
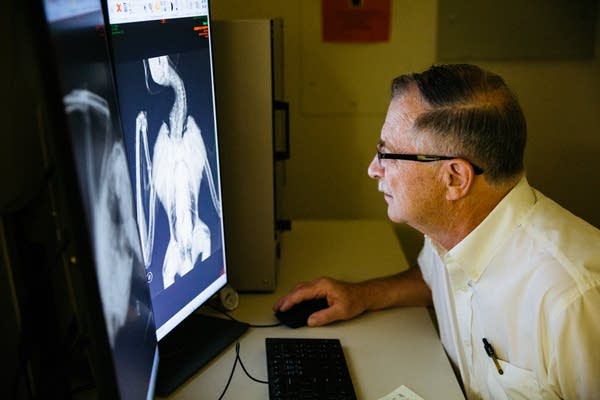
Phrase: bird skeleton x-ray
x=173 y=174
x=115 y=237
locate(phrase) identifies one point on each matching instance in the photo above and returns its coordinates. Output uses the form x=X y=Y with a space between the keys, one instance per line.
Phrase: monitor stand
x=191 y=345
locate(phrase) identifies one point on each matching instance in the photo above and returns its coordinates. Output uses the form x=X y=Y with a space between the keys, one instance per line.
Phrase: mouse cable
x=235 y=362
x=225 y=313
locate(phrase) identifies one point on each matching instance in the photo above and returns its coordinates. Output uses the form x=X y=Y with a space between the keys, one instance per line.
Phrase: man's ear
x=458 y=177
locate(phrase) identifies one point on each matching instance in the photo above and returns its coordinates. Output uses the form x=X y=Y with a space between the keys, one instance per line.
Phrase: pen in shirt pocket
x=490 y=352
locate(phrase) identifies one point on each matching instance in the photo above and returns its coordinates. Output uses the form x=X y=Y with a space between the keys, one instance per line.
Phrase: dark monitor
x=91 y=201
x=164 y=75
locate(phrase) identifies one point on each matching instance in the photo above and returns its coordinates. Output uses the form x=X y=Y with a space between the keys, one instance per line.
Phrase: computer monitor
x=164 y=76
x=98 y=207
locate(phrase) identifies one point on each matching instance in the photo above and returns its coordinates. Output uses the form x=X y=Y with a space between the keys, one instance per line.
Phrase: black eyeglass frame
x=421 y=158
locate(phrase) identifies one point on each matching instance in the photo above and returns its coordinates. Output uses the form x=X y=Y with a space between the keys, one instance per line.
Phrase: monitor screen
x=83 y=73
x=163 y=68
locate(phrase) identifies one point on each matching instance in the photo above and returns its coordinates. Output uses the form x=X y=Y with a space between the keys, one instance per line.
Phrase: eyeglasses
x=419 y=158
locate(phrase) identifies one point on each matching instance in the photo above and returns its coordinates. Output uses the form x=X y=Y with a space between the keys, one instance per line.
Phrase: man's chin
x=395 y=218
x=392 y=217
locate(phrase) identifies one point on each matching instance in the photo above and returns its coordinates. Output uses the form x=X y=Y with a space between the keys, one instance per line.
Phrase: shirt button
x=470 y=283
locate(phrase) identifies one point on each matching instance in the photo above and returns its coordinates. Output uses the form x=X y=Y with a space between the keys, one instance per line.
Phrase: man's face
x=410 y=188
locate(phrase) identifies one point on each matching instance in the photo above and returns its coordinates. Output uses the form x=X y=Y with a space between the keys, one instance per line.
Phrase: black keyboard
x=300 y=368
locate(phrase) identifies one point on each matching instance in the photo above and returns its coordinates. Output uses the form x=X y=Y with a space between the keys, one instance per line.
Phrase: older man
x=514 y=278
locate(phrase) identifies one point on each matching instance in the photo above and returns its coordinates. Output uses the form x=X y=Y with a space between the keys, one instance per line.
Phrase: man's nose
x=375 y=169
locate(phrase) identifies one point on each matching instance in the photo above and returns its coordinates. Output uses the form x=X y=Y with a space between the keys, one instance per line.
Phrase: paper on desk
x=402 y=393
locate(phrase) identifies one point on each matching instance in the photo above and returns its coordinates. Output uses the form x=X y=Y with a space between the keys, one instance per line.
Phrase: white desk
x=384 y=349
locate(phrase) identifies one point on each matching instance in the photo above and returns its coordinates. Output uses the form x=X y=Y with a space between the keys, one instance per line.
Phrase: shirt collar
x=476 y=250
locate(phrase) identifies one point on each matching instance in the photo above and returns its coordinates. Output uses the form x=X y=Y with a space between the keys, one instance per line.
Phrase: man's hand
x=344 y=299
x=348 y=300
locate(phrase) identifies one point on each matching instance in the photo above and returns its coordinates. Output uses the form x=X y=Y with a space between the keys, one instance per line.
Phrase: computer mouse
x=297 y=316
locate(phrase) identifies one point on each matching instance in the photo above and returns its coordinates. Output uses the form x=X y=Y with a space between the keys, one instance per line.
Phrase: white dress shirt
x=528 y=280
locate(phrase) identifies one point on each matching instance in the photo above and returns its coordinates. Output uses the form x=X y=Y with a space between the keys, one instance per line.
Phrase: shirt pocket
x=514 y=384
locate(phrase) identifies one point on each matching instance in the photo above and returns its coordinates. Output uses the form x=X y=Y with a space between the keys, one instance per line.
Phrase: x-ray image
x=166 y=108
x=102 y=160
x=173 y=173
x=164 y=81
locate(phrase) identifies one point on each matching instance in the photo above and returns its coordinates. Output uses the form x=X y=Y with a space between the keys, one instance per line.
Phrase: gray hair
x=473 y=114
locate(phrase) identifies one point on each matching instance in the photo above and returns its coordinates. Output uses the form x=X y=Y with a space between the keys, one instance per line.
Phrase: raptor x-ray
x=164 y=82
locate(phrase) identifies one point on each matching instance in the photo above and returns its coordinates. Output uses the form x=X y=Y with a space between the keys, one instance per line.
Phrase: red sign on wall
x=356 y=20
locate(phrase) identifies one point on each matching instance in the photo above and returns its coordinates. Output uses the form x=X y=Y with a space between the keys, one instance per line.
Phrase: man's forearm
x=403 y=289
